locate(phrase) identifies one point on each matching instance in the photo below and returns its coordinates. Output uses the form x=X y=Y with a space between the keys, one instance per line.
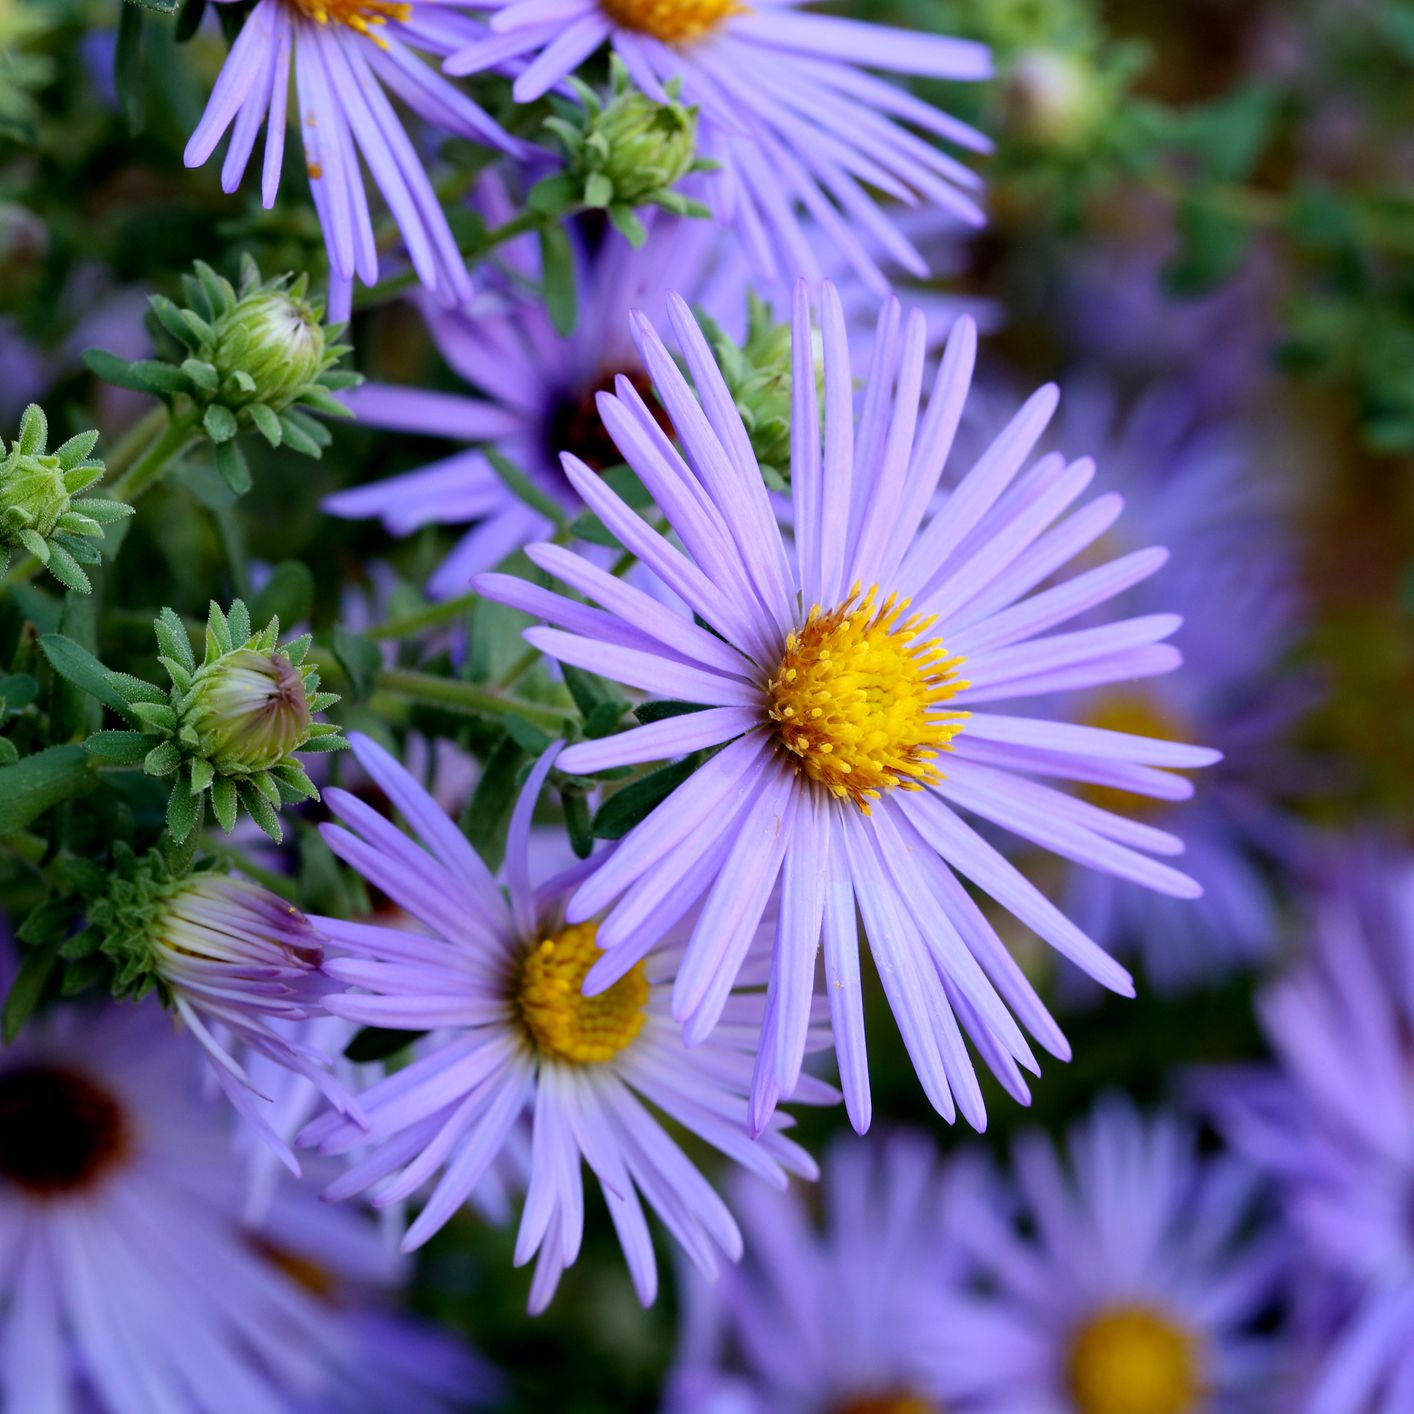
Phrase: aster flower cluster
x=729 y=707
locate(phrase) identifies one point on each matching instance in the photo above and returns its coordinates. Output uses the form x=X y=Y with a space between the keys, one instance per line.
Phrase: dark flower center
x=575 y=425
x=58 y=1131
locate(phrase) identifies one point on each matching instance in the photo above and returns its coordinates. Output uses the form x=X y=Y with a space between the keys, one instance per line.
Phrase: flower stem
x=430 y=617
x=148 y=469
x=468 y=697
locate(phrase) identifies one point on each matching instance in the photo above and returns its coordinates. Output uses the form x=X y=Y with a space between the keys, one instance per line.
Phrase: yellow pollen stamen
x=561 y=1020
x=358 y=15
x=856 y=697
x=1133 y=1360
x=1136 y=713
x=672 y=21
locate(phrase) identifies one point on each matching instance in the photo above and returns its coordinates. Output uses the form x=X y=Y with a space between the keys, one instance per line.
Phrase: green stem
x=466 y=697
x=141 y=434
x=429 y=617
x=147 y=470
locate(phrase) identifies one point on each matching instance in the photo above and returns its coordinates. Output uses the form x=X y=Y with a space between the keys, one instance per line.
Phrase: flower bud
x=621 y=153
x=1052 y=99
x=230 y=726
x=758 y=376
x=648 y=147
x=249 y=710
x=277 y=340
x=40 y=507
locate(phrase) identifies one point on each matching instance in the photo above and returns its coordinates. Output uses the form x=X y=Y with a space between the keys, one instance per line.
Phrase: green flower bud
x=1052 y=100
x=255 y=355
x=249 y=710
x=758 y=376
x=277 y=339
x=623 y=153
x=41 y=510
x=645 y=147
x=228 y=728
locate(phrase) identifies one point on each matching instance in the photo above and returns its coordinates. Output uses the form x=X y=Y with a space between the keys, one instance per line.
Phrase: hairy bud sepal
x=255 y=354
x=622 y=152
x=230 y=726
x=41 y=508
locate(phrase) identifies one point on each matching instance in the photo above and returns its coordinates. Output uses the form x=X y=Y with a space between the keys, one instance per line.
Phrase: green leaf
x=577 y=823
x=223 y=802
x=65 y=569
x=39 y=782
x=587 y=690
x=557 y=272
x=378 y=1043
x=81 y=668
x=262 y=812
x=526 y=735
x=163 y=7
x=233 y=468
x=27 y=989
x=267 y=424
x=488 y=812
x=124 y=748
x=173 y=640
x=665 y=707
x=220 y=423
x=360 y=658
x=623 y=810
x=9 y=752
x=184 y=810
x=163 y=759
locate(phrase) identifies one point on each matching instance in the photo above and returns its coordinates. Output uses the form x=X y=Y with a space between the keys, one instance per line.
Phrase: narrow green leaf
x=39 y=782
x=623 y=810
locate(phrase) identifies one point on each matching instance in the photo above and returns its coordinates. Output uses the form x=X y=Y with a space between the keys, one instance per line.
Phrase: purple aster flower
x=1133 y=1288
x=129 y=1281
x=836 y=684
x=537 y=388
x=242 y=967
x=787 y=106
x=840 y=1320
x=1198 y=487
x=346 y=54
x=1333 y=1127
x=516 y=1045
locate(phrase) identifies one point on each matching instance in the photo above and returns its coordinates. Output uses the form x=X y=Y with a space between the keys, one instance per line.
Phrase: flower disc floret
x=1132 y=1360
x=361 y=16
x=59 y=1131
x=856 y=698
x=564 y=1023
x=672 y=21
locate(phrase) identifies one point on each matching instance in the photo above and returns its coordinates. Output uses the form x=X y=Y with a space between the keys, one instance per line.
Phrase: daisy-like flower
x=839 y=688
x=1333 y=1127
x=127 y=1279
x=1134 y=1289
x=537 y=389
x=348 y=56
x=516 y=1044
x=241 y=968
x=843 y=1320
x=787 y=106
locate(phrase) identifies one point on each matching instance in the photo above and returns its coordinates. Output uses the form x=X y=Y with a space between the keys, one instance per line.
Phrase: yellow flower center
x=857 y=694
x=1138 y=714
x=359 y=15
x=1131 y=1360
x=672 y=21
x=561 y=1020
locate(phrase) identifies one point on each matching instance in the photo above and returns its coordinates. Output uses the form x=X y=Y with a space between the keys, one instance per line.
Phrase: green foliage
x=622 y=152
